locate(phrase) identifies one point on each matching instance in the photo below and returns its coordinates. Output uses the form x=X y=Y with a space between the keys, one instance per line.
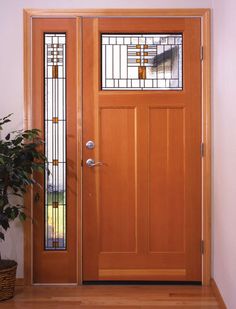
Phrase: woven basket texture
x=7 y=282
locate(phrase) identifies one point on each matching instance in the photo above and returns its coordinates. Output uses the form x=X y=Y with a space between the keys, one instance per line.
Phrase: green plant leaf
x=4 y=222
x=22 y=216
x=18 y=140
x=21 y=154
x=8 y=116
x=7 y=212
x=8 y=136
x=14 y=213
x=2 y=236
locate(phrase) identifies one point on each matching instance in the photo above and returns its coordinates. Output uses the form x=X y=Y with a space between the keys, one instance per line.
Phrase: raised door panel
x=166 y=180
x=117 y=180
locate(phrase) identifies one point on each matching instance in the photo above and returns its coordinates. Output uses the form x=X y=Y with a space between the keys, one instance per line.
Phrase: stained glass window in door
x=142 y=61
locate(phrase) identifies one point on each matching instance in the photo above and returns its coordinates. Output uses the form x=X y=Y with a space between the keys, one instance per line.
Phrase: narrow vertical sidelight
x=55 y=140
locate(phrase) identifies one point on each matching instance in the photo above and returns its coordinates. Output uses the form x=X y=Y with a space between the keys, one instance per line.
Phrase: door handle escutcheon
x=90 y=144
x=92 y=163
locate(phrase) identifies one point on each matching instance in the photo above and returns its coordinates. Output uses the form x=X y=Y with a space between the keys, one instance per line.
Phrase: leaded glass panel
x=55 y=140
x=142 y=62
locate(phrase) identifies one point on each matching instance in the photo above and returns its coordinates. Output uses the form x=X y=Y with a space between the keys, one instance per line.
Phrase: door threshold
x=131 y=282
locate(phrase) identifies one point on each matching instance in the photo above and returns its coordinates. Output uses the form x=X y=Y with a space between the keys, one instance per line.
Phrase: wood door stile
x=52 y=266
x=142 y=208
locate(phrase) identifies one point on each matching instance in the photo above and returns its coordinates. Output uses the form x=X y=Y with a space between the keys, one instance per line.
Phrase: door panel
x=142 y=207
x=166 y=180
x=117 y=207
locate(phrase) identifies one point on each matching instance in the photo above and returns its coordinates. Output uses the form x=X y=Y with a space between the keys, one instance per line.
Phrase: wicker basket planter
x=7 y=279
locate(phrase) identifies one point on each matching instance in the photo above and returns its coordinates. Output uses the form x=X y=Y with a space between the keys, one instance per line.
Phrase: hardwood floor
x=112 y=296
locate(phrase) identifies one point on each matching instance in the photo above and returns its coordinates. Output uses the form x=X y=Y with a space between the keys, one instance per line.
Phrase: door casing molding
x=205 y=15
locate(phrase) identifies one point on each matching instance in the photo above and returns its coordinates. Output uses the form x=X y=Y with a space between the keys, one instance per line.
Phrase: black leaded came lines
x=55 y=140
x=142 y=61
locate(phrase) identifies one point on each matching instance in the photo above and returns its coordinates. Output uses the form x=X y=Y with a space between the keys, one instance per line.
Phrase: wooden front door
x=142 y=203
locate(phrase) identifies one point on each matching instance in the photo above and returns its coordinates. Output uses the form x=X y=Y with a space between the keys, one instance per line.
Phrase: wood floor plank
x=153 y=296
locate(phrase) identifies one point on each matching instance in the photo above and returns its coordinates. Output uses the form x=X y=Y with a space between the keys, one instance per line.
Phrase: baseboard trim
x=217 y=294
x=20 y=281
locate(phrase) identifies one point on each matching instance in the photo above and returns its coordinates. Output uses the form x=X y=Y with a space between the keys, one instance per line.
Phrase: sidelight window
x=55 y=140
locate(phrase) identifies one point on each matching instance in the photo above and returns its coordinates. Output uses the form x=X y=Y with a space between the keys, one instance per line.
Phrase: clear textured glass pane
x=55 y=140
x=142 y=61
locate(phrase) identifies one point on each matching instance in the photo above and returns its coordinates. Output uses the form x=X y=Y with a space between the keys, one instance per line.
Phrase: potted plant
x=21 y=153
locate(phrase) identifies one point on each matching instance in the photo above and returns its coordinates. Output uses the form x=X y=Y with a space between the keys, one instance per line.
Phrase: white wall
x=224 y=114
x=224 y=158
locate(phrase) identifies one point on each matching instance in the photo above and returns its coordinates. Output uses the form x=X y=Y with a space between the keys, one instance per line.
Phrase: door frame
x=205 y=15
